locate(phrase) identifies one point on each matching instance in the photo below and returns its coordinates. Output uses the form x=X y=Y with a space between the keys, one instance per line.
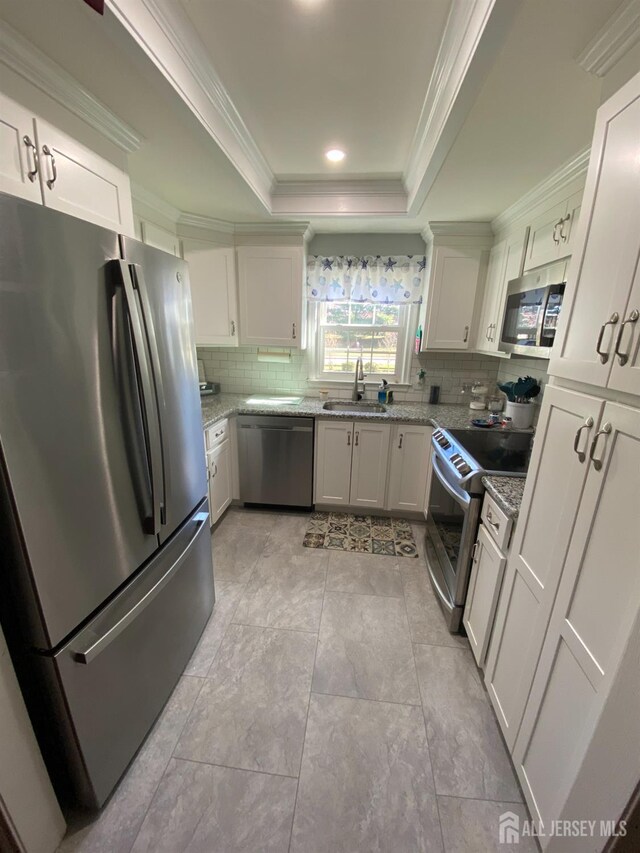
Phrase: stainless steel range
x=460 y=459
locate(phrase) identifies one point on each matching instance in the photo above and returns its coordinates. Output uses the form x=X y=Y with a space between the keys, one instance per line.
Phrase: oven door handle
x=460 y=497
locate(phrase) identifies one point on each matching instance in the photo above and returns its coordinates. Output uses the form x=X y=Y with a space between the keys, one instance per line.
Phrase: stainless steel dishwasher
x=276 y=460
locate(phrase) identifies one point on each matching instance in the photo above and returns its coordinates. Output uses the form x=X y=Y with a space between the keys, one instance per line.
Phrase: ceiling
x=302 y=75
x=308 y=75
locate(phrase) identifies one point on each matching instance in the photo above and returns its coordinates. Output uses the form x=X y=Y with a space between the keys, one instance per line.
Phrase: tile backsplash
x=239 y=371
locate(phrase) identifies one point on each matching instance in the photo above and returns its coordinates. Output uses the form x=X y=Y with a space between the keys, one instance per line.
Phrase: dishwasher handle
x=277 y=428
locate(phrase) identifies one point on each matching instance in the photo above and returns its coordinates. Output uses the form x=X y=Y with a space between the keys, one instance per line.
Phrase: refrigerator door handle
x=147 y=397
x=90 y=652
x=139 y=283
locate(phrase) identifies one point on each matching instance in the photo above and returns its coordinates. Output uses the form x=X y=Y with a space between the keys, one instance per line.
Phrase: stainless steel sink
x=352 y=406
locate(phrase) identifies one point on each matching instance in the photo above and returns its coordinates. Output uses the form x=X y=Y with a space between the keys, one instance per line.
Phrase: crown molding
x=474 y=31
x=286 y=229
x=23 y=57
x=205 y=223
x=556 y=182
x=173 y=44
x=460 y=229
x=339 y=198
x=620 y=33
x=144 y=197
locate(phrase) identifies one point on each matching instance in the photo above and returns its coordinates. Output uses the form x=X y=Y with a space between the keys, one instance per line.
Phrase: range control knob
x=464 y=468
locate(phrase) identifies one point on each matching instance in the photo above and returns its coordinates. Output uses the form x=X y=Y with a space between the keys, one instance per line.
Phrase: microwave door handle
x=543 y=314
x=144 y=391
x=152 y=342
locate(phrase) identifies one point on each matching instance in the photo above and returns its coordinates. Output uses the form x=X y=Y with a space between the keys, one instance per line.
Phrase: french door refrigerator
x=107 y=577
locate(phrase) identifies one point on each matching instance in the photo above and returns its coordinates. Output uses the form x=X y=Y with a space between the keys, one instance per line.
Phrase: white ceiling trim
x=205 y=223
x=142 y=196
x=29 y=62
x=617 y=36
x=170 y=40
x=459 y=72
x=336 y=198
x=556 y=182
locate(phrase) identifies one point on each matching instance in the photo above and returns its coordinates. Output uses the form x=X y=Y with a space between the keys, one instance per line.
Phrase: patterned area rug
x=367 y=534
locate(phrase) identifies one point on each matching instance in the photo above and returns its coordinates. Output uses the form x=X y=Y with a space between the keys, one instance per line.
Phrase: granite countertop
x=507 y=493
x=441 y=415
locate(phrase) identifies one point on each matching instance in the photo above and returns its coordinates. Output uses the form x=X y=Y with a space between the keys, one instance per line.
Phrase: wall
x=239 y=371
x=366 y=244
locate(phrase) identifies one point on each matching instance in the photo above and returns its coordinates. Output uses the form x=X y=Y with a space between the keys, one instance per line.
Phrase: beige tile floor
x=326 y=708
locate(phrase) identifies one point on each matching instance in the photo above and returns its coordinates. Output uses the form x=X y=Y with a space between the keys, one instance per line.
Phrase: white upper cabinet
x=160 y=238
x=212 y=274
x=18 y=152
x=410 y=453
x=369 y=464
x=557 y=472
x=270 y=282
x=599 y=326
x=456 y=273
x=596 y=607
x=42 y=164
x=486 y=337
x=77 y=181
x=544 y=243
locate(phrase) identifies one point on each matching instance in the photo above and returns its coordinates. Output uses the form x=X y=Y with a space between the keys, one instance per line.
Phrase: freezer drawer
x=275 y=456
x=116 y=674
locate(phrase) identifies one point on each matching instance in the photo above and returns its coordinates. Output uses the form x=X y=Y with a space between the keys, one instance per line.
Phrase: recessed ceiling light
x=335 y=155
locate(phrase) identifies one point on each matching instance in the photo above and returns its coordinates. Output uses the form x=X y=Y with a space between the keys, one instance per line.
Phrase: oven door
x=452 y=523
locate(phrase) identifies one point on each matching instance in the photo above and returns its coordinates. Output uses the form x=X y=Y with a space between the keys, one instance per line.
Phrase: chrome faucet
x=358 y=377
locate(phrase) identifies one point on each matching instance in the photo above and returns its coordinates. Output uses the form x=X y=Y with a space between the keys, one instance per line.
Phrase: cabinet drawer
x=216 y=434
x=497 y=523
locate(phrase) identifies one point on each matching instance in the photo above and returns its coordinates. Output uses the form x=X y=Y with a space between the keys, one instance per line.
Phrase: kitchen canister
x=521 y=414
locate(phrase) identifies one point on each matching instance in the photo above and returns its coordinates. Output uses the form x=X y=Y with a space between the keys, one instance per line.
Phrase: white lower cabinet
x=220 y=480
x=484 y=587
x=590 y=627
x=333 y=462
x=554 y=484
x=369 y=464
x=409 y=467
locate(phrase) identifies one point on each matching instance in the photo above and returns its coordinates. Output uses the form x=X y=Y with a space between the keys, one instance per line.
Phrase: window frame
x=407 y=319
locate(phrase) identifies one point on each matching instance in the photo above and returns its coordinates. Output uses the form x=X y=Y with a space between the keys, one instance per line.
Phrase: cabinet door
x=333 y=462
x=544 y=237
x=484 y=588
x=625 y=368
x=552 y=493
x=270 y=288
x=513 y=262
x=410 y=453
x=607 y=252
x=18 y=152
x=485 y=336
x=597 y=604
x=451 y=298
x=212 y=273
x=77 y=181
x=369 y=464
x=219 y=480
x=160 y=238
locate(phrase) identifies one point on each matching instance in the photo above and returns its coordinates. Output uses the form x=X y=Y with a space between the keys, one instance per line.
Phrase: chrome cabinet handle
x=597 y=462
x=563 y=236
x=474 y=552
x=293 y=331
x=555 y=231
x=400 y=442
x=357 y=441
x=581 y=454
x=32 y=173
x=494 y=327
x=487 y=334
x=466 y=334
x=613 y=319
x=54 y=172
x=494 y=524
x=348 y=439
x=233 y=328
x=623 y=357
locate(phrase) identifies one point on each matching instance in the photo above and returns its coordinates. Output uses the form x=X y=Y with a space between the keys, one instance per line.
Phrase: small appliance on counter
x=208 y=389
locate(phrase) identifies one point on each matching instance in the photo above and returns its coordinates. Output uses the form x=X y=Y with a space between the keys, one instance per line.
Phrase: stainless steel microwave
x=531 y=311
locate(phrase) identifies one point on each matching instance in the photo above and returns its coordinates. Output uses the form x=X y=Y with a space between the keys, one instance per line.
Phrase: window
x=377 y=333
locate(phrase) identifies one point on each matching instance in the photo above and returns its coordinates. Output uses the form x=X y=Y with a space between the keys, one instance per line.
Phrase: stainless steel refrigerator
x=107 y=578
